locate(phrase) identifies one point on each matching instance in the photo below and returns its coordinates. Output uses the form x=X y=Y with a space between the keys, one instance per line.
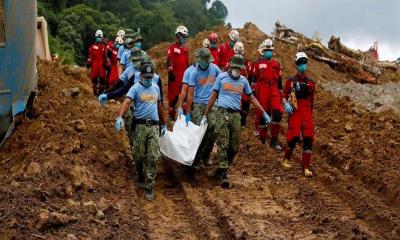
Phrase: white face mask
x=236 y=73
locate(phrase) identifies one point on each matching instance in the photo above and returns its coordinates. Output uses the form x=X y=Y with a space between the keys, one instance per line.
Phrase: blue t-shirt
x=125 y=59
x=120 y=51
x=145 y=101
x=230 y=91
x=187 y=73
x=203 y=82
x=128 y=73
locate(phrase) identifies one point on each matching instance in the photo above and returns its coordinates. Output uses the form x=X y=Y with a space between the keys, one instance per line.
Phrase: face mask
x=213 y=45
x=147 y=82
x=98 y=39
x=268 y=54
x=302 y=68
x=117 y=46
x=183 y=40
x=136 y=64
x=203 y=66
x=235 y=73
x=138 y=45
x=232 y=43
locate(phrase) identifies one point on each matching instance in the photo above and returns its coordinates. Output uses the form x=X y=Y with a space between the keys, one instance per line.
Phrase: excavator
x=23 y=38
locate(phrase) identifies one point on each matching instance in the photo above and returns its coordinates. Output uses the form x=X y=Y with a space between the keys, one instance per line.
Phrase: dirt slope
x=53 y=166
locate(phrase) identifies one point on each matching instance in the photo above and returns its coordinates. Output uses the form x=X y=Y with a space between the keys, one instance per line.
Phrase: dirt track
x=53 y=166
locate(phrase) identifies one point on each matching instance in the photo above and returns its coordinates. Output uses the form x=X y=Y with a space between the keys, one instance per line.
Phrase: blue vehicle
x=18 y=73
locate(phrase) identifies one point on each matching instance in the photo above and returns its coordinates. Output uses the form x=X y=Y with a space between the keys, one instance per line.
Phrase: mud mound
x=67 y=172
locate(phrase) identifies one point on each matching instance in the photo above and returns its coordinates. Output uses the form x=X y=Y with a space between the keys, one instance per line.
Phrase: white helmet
x=121 y=33
x=182 y=30
x=266 y=45
x=99 y=33
x=300 y=55
x=234 y=36
x=239 y=48
x=119 y=40
x=206 y=43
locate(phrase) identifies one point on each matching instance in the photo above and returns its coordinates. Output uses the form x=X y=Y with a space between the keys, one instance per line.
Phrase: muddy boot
x=149 y=194
x=275 y=145
x=308 y=172
x=286 y=164
x=223 y=179
x=141 y=182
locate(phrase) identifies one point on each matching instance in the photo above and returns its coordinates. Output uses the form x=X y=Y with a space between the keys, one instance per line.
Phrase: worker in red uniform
x=266 y=73
x=226 y=50
x=97 y=61
x=112 y=59
x=245 y=104
x=215 y=49
x=177 y=62
x=298 y=100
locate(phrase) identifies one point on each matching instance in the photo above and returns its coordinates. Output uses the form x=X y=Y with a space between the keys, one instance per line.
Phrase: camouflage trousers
x=227 y=130
x=146 y=152
x=129 y=126
x=207 y=143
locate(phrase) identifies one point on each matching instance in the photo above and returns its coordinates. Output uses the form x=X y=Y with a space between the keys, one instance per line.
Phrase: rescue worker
x=145 y=98
x=138 y=60
x=96 y=61
x=266 y=73
x=215 y=49
x=180 y=105
x=239 y=49
x=298 y=99
x=201 y=84
x=229 y=88
x=112 y=55
x=226 y=50
x=177 y=62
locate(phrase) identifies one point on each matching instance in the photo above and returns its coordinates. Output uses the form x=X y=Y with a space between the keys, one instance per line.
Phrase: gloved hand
x=170 y=69
x=119 y=122
x=203 y=120
x=288 y=108
x=266 y=118
x=187 y=119
x=180 y=112
x=103 y=99
x=163 y=129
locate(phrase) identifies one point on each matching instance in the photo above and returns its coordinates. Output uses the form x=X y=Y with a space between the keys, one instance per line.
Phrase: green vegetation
x=72 y=23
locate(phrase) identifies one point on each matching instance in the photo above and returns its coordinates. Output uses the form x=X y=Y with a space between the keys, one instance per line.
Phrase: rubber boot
x=286 y=164
x=141 y=182
x=306 y=162
x=149 y=194
x=275 y=145
x=275 y=128
x=224 y=180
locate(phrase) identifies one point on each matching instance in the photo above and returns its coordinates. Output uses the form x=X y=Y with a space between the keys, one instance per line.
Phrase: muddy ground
x=68 y=175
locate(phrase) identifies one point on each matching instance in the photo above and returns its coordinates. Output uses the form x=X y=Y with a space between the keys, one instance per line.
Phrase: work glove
x=187 y=119
x=180 y=112
x=266 y=118
x=163 y=129
x=203 y=120
x=103 y=99
x=288 y=108
x=119 y=122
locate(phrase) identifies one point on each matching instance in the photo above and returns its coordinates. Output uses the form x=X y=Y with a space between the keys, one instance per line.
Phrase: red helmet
x=213 y=37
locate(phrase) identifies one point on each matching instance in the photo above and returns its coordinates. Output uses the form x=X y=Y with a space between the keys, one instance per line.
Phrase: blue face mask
x=147 y=82
x=302 y=68
x=203 y=66
x=138 y=45
x=268 y=54
x=117 y=46
x=98 y=39
x=183 y=40
x=214 y=45
x=232 y=43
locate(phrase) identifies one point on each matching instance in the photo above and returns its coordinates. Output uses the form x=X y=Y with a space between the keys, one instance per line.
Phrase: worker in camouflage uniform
x=145 y=98
x=201 y=84
x=229 y=88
